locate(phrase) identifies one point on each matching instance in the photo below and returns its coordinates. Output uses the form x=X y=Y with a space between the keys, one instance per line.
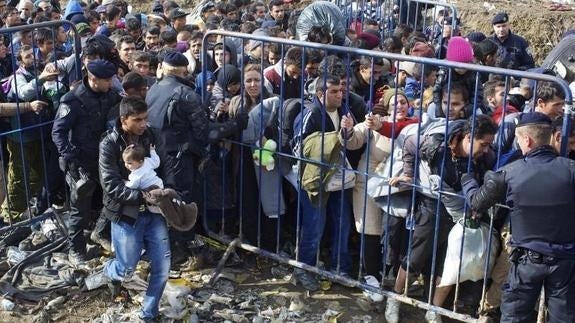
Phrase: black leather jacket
x=118 y=199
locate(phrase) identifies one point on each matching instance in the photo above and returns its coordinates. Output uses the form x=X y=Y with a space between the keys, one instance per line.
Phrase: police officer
x=80 y=122
x=184 y=128
x=514 y=50
x=539 y=190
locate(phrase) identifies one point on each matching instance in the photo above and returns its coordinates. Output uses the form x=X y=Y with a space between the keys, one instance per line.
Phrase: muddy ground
x=250 y=289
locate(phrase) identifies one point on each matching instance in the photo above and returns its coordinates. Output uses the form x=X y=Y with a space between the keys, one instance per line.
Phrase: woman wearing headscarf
x=227 y=86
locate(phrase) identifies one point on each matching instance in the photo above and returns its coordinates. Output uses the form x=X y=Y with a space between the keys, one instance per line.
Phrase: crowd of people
x=148 y=106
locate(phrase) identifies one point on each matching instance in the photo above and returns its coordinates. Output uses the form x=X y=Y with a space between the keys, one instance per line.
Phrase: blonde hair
x=539 y=133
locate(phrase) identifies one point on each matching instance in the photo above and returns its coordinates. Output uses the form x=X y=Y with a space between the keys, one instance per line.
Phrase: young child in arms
x=142 y=175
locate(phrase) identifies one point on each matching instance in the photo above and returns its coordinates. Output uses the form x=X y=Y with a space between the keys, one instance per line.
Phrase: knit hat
x=253 y=44
x=459 y=50
x=371 y=40
x=78 y=18
x=407 y=67
x=388 y=95
x=83 y=28
x=175 y=59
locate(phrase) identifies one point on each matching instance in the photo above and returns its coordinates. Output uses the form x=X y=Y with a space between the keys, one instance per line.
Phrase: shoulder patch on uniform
x=63 y=111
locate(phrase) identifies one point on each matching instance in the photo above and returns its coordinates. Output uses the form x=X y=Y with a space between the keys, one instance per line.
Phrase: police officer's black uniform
x=80 y=122
x=512 y=51
x=540 y=192
x=175 y=109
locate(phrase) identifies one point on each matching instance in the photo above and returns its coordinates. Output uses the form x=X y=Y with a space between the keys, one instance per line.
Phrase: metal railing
x=281 y=218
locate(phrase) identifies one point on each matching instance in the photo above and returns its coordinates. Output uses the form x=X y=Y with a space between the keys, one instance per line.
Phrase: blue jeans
x=151 y=233
x=313 y=224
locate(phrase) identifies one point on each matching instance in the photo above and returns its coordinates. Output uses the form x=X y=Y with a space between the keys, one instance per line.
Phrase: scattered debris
x=53 y=304
x=7 y=305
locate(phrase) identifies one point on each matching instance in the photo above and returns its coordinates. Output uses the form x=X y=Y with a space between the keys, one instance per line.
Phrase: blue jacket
x=72 y=8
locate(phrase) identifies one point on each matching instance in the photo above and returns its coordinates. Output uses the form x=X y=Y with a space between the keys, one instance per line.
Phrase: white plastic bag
x=474 y=254
x=334 y=183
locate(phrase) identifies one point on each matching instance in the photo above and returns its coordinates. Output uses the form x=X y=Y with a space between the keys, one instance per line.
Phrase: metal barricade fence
x=33 y=178
x=421 y=15
x=257 y=219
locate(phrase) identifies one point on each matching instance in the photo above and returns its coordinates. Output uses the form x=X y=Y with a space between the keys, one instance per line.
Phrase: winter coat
x=313 y=178
x=379 y=151
x=267 y=180
x=119 y=200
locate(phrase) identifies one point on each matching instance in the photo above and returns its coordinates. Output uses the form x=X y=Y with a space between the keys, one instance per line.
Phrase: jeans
x=149 y=232
x=19 y=171
x=313 y=223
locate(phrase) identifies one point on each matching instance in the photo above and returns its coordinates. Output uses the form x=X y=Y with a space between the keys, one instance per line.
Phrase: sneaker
x=344 y=275
x=389 y=279
x=103 y=242
x=372 y=281
x=307 y=280
x=433 y=317
x=392 y=311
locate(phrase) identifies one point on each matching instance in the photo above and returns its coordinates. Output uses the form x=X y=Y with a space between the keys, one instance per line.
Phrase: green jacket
x=315 y=176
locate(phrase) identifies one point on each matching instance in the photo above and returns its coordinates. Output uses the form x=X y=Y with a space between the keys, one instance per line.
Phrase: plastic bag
x=322 y=13
x=175 y=300
x=474 y=254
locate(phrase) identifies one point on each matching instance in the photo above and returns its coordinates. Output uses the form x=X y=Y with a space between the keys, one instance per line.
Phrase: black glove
x=242 y=120
x=491 y=192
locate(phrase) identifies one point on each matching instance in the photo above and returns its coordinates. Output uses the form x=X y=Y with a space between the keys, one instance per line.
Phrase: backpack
x=291 y=125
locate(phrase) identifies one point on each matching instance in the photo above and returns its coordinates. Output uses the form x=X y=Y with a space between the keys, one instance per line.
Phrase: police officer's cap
x=176 y=59
x=102 y=69
x=532 y=119
x=500 y=18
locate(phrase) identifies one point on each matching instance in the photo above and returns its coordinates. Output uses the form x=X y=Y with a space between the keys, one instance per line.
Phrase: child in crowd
x=142 y=174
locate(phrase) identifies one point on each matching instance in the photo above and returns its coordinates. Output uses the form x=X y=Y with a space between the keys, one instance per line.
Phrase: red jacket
x=387 y=127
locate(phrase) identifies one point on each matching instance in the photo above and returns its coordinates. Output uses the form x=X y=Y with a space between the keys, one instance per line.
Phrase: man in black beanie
x=514 y=50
